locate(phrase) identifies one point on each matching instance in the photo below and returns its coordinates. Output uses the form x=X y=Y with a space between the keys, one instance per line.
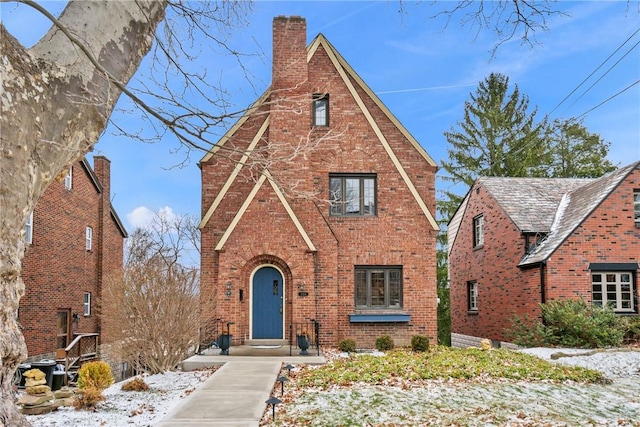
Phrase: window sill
x=380 y=318
x=472 y=313
x=477 y=248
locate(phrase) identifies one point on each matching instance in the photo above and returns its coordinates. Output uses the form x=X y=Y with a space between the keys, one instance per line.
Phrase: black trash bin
x=58 y=380
x=22 y=368
x=47 y=367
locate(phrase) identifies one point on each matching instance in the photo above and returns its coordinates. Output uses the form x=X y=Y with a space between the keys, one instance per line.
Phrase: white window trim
x=636 y=207
x=478 y=231
x=87 y=304
x=617 y=303
x=68 y=179
x=29 y=229
x=88 y=238
x=472 y=296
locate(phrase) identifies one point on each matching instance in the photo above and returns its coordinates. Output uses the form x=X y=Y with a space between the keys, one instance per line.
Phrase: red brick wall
x=400 y=234
x=57 y=269
x=608 y=235
x=503 y=288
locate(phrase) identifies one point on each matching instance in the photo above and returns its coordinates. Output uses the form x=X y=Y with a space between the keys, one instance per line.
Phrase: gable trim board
x=265 y=175
x=234 y=174
x=340 y=65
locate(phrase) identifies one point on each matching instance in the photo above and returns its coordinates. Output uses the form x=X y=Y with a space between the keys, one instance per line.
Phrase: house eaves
x=343 y=69
x=575 y=208
x=265 y=176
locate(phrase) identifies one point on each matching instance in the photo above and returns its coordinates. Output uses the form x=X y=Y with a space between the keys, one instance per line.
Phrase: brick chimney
x=290 y=102
x=289 y=53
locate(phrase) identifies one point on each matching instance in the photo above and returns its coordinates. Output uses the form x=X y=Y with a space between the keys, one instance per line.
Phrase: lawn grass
x=441 y=363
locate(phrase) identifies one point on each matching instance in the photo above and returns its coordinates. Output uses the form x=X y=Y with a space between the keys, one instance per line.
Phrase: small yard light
x=273 y=401
x=289 y=367
x=281 y=380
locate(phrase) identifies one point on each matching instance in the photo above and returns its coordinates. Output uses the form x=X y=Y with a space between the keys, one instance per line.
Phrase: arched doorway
x=267 y=304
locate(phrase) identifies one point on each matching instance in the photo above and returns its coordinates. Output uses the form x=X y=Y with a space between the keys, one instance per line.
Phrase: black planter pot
x=303 y=344
x=224 y=342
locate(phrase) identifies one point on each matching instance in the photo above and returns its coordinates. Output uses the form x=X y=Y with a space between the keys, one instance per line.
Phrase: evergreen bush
x=95 y=375
x=420 y=343
x=347 y=345
x=384 y=343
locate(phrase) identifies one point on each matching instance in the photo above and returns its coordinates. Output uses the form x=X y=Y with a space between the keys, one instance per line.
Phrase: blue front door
x=267 y=304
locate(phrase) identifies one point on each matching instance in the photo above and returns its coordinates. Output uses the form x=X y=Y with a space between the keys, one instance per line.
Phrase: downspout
x=543 y=291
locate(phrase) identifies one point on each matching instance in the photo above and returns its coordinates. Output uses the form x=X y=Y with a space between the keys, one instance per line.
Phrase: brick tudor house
x=342 y=232
x=515 y=243
x=74 y=239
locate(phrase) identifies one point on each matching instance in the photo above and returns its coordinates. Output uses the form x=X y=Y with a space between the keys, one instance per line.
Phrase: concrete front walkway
x=236 y=394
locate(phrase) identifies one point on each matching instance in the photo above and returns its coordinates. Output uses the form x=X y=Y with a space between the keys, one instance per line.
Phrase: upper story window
x=352 y=194
x=472 y=296
x=636 y=207
x=378 y=287
x=68 y=179
x=29 y=229
x=613 y=289
x=88 y=238
x=320 y=109
x=478 y=231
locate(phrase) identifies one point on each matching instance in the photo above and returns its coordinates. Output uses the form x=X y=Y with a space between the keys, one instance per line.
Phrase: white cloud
x=142 y=216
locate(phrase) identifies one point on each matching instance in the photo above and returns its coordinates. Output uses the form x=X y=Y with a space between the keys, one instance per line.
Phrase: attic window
x=320 y=109
x=478 y=231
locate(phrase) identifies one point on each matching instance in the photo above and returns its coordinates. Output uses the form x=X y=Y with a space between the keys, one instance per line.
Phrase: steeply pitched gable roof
x=345 y=71
x=574 y=208
x=531 y=203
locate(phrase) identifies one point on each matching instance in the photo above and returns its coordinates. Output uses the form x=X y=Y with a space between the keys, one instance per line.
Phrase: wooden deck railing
x=82 y=349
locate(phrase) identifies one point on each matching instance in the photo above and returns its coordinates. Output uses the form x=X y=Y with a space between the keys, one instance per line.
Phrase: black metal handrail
x=304 y=335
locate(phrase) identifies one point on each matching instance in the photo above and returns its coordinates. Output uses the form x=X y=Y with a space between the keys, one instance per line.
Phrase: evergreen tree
x=499 y=137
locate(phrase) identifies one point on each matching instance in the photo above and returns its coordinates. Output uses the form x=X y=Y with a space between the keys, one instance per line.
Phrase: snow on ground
x=500 y=403
x=129 y=408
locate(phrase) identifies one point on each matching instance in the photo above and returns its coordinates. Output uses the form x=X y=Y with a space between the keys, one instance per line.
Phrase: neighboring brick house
x=74 y=239
x=515 y=243
x=342 y=232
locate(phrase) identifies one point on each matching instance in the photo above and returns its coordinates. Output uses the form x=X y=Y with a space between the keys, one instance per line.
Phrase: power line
x=602 y=76
x=594 y=71
x=608 y=99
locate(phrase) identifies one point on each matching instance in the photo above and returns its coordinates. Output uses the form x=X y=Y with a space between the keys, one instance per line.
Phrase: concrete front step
x=268 y=342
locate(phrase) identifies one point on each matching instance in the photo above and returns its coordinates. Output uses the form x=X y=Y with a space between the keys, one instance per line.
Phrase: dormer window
x=320 y=109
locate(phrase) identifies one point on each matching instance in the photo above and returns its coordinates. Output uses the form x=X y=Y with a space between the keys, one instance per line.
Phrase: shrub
x=384 y=343
x=573 y=323
x=419 y=343
x=526 y=331
x=88 y=398
x=632 y=329
x=95 y=375
x=569 y=323
x=347 y=345
x=136 y=384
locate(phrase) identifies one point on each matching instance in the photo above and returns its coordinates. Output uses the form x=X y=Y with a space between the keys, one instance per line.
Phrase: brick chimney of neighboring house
x=102 y=169
x=290 y=97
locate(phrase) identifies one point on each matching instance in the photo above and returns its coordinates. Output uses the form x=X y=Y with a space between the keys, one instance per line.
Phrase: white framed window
x=320 y=109
x=88 y=238
x=378 y=287
x=68 y=180
x=472 y=295
x=614 y=289
x=29 y=229
x=636 y=207
x=478 y=231
x=87 y=304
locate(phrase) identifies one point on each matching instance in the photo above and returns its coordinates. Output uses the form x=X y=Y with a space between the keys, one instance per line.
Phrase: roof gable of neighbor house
x=346 y=73
x=574 y=208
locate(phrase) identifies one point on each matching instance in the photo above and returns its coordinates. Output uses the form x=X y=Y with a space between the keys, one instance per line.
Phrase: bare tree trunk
x=55 y=102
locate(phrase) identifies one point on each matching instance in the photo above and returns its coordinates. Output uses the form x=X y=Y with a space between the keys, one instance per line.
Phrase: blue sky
x=421 y=70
